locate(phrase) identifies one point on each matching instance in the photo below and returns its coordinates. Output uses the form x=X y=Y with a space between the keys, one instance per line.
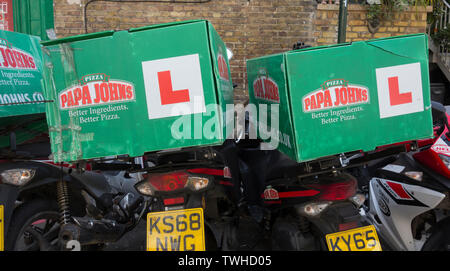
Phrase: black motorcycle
x=248 y=199
x=51 y=206
x=195 y=195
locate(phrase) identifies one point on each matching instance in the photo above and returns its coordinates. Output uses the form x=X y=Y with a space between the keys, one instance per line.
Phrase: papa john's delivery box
x=129 y=92
x=21 y=97
x=20 y=75
x=343 y=98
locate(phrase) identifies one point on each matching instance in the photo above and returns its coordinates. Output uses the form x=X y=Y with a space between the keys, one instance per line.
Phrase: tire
x=40 y=212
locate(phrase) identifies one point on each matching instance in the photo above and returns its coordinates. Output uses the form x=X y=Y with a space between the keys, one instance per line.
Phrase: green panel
x=357 y=96
x=20 y=75
x=130 y=69
x=268 y=87
x=33 y=17
x=222 y=76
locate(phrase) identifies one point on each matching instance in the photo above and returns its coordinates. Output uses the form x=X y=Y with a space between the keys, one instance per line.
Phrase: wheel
x=31 y=221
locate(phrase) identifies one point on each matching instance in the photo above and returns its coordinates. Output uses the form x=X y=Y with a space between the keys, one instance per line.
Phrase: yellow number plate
x=179 y=230
x=359 y=239
x=2 y=234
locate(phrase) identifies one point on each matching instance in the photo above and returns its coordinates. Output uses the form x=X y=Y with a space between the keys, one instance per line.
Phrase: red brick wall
x=250 y=28
x=411 y=20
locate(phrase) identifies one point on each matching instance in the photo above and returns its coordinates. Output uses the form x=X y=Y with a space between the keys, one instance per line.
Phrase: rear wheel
x=34 y=226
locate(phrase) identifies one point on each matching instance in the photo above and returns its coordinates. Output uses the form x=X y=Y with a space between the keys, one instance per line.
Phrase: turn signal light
x=416 y=175
x=17 y=176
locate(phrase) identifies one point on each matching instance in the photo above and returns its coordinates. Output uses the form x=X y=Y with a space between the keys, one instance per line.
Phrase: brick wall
x=250 y=28
x=412 y=20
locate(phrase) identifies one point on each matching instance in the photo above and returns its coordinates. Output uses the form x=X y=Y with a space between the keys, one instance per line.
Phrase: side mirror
x=439 y=113
x=438 y=110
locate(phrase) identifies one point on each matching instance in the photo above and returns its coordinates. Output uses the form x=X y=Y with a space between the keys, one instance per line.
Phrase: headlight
x=446 y=160
x=17 y=176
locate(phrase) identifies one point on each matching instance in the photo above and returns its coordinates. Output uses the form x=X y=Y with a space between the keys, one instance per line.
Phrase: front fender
x=335 y=215
x=9 y=194
x=8 y=197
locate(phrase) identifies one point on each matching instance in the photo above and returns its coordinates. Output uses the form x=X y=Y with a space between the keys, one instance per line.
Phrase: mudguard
x=8 y=196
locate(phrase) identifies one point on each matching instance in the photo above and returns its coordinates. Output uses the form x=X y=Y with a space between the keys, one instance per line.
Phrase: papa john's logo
x=13 y=58
x=265 y=88
x=223 y=67
x=96 y=89
x=333 y=94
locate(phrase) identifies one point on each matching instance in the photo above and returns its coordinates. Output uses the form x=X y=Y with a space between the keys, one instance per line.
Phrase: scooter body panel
x=395 y=205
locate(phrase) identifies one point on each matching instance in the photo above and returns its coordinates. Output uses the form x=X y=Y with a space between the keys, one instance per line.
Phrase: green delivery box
x=130 y=92
x=335 y=99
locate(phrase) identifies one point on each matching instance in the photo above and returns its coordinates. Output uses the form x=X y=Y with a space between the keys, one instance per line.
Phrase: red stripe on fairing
x=399 y=190
x=294 y=194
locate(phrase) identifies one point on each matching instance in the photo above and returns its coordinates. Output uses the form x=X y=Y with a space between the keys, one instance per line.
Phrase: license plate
x=359 y=239
x=178 y=230
x=2 y=234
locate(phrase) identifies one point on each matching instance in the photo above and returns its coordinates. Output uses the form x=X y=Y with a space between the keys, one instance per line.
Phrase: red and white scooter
x=408 y=195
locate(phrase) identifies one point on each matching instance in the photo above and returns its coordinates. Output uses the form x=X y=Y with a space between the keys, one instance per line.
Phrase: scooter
x=195 y=196
x=284 y=205
x=305 y=206
x=408 y=194
x=51 y=206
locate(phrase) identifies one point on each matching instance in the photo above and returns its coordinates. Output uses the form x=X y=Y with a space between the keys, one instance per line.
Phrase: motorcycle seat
x=269 y=165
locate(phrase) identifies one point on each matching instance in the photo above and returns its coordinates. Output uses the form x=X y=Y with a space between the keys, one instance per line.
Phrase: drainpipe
x=342 y=27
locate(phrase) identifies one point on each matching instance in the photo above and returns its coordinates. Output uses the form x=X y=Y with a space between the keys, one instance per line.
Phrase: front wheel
x=34 y=226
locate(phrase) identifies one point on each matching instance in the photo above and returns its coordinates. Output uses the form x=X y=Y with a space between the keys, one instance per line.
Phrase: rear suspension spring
x=303 y=224
x=62 y=195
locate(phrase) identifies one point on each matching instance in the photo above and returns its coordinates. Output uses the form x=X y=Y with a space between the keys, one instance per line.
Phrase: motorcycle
x=252 y=199
x=305 y=206
x=195 y=199
x=408 y=193
x=51 y=206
